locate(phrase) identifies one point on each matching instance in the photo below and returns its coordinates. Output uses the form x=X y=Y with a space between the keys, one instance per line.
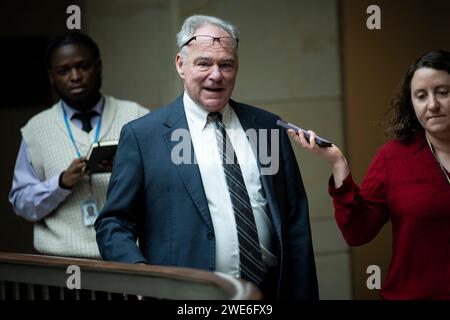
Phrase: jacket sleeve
x=299 y=243
x=117 y=226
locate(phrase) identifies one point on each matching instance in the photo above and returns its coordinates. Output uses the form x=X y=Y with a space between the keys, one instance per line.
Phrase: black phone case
x=320 y=141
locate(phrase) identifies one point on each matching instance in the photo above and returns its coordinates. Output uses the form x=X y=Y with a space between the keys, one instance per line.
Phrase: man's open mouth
x=214 y=89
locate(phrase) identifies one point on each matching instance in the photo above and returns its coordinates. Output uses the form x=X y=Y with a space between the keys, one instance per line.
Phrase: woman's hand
x=332 y=155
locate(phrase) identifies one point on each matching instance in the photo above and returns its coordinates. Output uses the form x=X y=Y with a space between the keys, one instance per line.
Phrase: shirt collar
x=71 y=111
x=199 y=116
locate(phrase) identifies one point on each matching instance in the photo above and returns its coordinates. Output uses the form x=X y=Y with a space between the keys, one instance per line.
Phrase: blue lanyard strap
x=97 y=130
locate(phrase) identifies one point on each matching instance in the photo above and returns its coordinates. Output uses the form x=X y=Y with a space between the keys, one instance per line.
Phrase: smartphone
x=320 y=141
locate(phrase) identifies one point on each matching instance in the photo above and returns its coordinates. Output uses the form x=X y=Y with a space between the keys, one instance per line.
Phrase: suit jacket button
x=210 y=235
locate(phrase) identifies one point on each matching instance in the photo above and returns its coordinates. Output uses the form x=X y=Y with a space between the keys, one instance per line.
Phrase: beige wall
x=289 y=64
x=137 y=46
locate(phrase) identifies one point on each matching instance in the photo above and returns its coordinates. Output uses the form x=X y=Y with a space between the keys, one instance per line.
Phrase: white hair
x=196 y=21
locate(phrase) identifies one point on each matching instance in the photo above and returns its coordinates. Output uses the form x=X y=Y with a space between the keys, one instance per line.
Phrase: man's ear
x=179 y=65
x=99 y=65
x=50 y=75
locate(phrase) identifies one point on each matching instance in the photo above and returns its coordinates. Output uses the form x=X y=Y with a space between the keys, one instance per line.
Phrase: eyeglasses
x=224 y=42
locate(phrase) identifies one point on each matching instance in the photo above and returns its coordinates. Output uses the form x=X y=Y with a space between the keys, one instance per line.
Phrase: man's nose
x=215 y=73
x=75 y=75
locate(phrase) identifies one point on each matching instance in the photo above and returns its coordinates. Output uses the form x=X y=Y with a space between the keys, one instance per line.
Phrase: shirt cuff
x=56 y=190
x=347 y=186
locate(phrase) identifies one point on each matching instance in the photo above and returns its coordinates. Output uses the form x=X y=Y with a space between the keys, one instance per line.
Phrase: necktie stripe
x=251 y=258
x=228 y=157
x=233 y=172
x=246 y=274
x=251 y=242
x=241 y=207
x=243 y=201
x=251 y=263
x=248 y=224
x=235 y=168
x=250 y=266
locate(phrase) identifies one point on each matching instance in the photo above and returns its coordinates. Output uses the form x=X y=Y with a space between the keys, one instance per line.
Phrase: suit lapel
x=189 y=173
x=250 y=121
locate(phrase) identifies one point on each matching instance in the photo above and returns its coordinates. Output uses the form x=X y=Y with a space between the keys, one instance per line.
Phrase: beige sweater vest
x=63 y=232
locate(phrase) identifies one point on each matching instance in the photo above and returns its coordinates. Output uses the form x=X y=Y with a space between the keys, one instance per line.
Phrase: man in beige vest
x=50 y=185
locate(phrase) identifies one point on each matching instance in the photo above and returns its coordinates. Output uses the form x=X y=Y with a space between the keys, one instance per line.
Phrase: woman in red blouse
x=407 y=182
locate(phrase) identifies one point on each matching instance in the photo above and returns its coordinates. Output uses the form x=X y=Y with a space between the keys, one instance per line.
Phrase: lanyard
x=97 y=130
x=437 y=159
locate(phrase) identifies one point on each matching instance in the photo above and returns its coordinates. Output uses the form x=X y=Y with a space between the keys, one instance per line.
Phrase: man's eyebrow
x=204 y=58
x=209 y=59
x=232 y=60
x=76 y=62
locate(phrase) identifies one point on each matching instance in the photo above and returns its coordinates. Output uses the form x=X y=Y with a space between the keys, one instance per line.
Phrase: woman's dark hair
x=74 y=37
x=404 y=123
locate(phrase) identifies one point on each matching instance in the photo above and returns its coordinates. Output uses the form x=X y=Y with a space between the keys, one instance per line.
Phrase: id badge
x=89 y=211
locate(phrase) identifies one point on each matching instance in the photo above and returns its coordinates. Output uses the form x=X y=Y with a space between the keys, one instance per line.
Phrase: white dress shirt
x=215 y=186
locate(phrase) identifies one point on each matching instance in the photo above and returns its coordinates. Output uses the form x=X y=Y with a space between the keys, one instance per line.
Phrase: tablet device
x=98 y=152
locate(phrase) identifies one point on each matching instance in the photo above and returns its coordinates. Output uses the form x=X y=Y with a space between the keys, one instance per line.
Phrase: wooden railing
x=26 y=276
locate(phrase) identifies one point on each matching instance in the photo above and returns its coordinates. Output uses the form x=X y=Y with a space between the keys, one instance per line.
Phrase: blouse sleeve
x=361 y=212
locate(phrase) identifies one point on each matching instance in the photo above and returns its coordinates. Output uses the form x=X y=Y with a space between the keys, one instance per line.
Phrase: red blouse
x=405 y=184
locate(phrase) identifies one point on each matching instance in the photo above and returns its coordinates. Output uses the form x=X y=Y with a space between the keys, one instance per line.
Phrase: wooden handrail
x=161 y=282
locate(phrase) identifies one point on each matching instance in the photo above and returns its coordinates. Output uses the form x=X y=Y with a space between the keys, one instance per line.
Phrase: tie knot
x=85 y=118
x=215 y=116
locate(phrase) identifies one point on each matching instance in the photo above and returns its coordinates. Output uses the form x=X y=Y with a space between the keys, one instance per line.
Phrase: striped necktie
x=251 y=264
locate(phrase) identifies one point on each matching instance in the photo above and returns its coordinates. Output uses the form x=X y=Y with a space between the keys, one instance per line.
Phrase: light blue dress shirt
x=32 y=198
